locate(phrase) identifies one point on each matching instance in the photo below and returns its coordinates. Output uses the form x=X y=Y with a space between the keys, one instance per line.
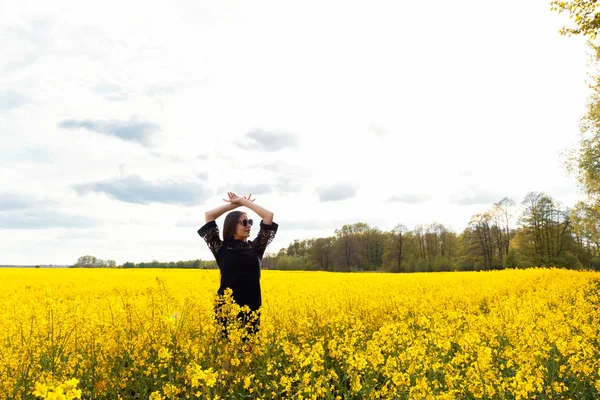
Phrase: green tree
x=346 y=250
x=584 y=13
x=393 y=249
x=583 y=162
x=299 y=248
x=321 y=254
x=545 y=229
x=511 y=260
x=86 y=262
x=501 y=214
x=586 y=226
x=371 y=242
x=477 y=241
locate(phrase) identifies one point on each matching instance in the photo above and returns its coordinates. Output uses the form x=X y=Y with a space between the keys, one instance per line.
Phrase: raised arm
x=265 y=214
x=217 y=212
x=210 y=231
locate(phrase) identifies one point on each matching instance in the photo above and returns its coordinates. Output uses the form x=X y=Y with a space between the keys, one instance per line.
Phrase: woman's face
x=242 y=232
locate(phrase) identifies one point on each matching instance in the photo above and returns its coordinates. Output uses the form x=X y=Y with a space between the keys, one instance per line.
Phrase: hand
x=249 y=198
x=234 y=199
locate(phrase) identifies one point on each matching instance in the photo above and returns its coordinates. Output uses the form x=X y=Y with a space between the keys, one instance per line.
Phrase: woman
x=239 y=259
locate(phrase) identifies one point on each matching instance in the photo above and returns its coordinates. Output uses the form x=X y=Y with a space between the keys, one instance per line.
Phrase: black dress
x=239 y=263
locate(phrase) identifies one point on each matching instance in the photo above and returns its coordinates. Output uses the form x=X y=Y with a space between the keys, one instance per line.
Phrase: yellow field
x=105 y=334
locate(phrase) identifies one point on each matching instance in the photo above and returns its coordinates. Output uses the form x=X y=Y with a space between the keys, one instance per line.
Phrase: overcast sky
x=122 y=122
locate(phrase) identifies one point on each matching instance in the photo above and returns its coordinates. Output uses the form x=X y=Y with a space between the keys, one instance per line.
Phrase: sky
x=122 y=122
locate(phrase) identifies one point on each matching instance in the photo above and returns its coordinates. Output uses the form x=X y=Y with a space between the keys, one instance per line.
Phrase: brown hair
x=231 y=221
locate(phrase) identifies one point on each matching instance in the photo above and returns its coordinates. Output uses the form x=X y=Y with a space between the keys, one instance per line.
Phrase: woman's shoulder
x=207 y=227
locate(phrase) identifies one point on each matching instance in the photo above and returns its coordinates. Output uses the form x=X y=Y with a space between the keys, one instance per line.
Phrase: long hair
x=231 y=221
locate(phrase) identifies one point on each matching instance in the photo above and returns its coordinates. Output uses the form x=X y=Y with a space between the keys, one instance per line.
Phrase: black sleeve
x=266 y=234
x=210 y=233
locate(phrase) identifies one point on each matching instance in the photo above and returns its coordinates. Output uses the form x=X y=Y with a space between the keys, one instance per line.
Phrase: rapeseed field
x=150 y=334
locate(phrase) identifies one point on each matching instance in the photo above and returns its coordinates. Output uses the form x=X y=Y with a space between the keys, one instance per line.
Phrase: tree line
x=93 y=262
x=545 y=234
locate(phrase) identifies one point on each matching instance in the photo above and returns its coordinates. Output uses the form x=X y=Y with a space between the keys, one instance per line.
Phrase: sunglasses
x=246 y=222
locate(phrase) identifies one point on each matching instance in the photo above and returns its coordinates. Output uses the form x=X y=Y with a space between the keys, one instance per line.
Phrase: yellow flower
x=356 y=385
x=170 y=390
x=435 y=335
x=211 y=377
x=247 y=381
x=164 y=353
x=41 y=390
x=156 y=396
